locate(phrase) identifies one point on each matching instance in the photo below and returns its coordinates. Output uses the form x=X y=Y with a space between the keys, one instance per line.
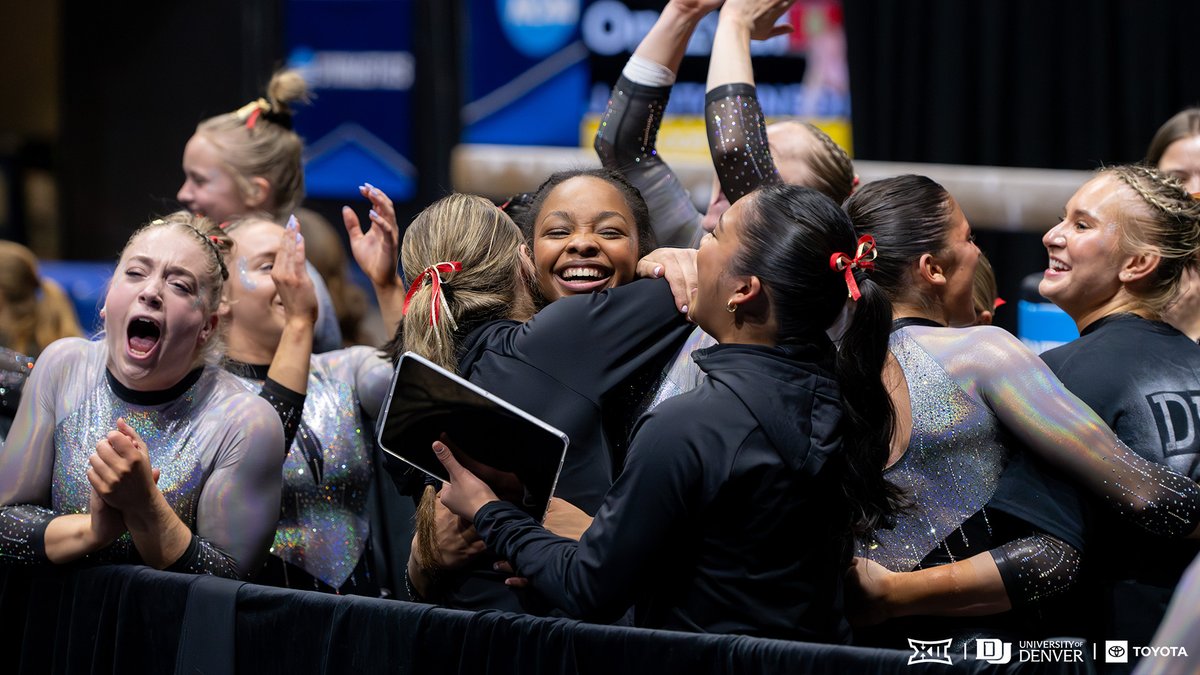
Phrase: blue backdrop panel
x=357 y=56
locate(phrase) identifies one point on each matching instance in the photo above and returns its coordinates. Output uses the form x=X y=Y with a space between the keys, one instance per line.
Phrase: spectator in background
x=33 y=311
x=249 y=161
x=1175 y=151
x=987 y=298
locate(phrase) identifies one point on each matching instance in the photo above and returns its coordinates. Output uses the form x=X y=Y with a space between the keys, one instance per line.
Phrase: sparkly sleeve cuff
x=1036 y=567
x=288 y=404
x=23 y=533
x=202 y=557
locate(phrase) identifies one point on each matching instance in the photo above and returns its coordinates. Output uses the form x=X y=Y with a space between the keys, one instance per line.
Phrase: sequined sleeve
x=626 y=143
x=27 y=456
x=1035 y=406
x=288 y=404
x=737 y=139
x=1036 y=567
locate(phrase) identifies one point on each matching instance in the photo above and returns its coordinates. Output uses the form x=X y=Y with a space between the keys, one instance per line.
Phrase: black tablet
x=517 y=454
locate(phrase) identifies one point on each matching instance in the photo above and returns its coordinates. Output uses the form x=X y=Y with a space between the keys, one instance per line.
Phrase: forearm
x=290 y=365
x=159 y=536
x=971 y=587
x=730 y=61
x=391 y=302
x=70 y=537
x=668 y=38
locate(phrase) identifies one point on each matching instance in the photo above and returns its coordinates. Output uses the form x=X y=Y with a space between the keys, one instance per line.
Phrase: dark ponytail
x=870 y=417
x=788 y=235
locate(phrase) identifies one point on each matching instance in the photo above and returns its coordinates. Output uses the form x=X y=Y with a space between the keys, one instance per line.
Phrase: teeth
x=1059 y=266
x=585 y=272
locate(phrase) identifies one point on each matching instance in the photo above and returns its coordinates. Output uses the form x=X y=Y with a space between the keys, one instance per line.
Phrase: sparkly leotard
x=953 y=376
x=323 y=528
x=951 y=467
x=218 y=449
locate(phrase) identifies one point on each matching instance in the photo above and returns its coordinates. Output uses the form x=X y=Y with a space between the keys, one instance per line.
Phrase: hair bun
x=286 y=87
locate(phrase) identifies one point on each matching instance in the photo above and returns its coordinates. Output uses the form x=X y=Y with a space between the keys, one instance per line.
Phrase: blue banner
x=527 y=72
x=357 y=57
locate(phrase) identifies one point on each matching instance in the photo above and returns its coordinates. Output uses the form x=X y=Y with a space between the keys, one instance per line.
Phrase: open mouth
x=142 y=336
x=583 y=278
x=1057 y=265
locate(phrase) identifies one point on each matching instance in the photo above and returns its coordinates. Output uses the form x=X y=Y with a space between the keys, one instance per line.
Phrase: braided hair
x=1166 y=221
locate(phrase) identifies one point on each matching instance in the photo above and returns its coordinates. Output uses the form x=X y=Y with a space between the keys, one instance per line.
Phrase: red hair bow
x=864 y=258
x=437 y=299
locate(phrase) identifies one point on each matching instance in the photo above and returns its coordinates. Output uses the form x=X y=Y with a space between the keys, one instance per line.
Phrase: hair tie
x=864 y=258
x=252 y=111
x=437 y=298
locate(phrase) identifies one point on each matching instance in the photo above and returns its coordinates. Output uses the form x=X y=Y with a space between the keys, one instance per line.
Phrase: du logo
x=993 y=650
x=934 y=651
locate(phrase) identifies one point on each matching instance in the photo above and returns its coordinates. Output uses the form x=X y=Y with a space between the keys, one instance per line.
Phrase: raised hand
x=378 y=249
x=292 y=283
x=377 y=252
x=759 y=16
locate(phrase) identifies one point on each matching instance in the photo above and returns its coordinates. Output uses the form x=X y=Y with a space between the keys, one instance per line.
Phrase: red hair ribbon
x=864 y=258
x=253 y=118
x=436 y=300
x=214 y=239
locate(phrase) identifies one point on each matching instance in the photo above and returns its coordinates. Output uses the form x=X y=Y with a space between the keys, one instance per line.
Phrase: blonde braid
x=1169 y=226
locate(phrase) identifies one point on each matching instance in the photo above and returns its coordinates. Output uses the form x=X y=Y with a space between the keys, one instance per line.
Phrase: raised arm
x=377 y=252
x=737 y=133
x=287 y=378
x=628 y=133
x=1035 y=406
x=740 y=22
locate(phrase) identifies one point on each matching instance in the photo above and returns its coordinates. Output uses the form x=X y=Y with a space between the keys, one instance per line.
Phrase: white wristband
x=649 y=73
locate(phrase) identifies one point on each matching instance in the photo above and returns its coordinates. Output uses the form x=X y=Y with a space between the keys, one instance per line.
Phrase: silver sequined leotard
x=992 y=369
x=323 y=528
x=218 y=449
x=951 y=467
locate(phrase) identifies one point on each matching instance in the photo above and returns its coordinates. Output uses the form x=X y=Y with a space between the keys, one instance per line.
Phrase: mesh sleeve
x=23 y=533
x=288 y=404
x=737 y=138
x=626 y=143
x=1036 y=567
x=201 y=557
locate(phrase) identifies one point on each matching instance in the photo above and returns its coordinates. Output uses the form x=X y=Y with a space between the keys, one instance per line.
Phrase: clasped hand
x=123 y=482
